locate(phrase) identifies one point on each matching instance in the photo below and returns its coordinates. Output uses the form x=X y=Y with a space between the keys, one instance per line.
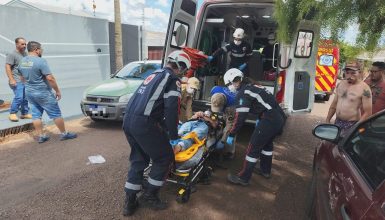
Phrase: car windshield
x=137 y=70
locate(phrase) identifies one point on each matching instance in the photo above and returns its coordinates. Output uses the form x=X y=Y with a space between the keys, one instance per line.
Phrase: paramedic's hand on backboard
x=230 y=140
x=210 y=58
x=242 y=67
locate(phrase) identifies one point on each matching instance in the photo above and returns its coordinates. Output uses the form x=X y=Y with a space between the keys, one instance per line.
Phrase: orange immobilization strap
x=190 y=152
x=198 y=59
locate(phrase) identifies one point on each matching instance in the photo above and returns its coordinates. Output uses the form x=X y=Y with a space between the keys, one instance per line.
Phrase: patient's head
x=218 y=101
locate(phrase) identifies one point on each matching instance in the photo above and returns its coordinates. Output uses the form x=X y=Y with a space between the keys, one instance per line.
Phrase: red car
x=349 y=172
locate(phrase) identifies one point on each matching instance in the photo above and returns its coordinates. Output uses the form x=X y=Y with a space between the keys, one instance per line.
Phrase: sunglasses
x=375 y=71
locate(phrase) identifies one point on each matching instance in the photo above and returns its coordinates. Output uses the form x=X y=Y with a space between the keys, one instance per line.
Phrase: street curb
x=4 y=110
x=28 y=127
x=15 y=130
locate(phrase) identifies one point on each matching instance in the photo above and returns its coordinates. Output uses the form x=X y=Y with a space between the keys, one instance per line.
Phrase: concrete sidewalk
x=69 y=105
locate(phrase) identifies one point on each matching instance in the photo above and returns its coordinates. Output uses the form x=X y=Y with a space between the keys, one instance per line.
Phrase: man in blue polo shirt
x=39 y=83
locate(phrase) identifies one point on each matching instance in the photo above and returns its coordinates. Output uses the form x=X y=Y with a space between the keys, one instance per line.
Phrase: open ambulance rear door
x=298 y=61
x=181 y=26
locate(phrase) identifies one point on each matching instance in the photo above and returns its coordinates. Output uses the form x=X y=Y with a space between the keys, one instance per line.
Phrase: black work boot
x=235 y=179
x=150 y=199
x=130 y=205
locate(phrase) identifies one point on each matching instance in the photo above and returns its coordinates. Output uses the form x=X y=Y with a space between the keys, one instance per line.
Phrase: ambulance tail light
x=281 y=86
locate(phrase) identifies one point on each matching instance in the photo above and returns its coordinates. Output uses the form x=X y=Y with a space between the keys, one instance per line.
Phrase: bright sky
x=156 y=11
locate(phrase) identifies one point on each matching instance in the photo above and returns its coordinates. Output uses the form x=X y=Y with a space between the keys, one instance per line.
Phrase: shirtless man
x=352 y=94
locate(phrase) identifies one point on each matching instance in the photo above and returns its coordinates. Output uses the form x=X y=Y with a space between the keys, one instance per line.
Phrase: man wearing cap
x=223 y=101
x=240 y=51
x=352 y=94
x=376 y=83
x=187 y=95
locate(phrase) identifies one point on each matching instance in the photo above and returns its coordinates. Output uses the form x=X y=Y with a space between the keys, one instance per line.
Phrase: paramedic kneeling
x=257 y=100
x=150 y=122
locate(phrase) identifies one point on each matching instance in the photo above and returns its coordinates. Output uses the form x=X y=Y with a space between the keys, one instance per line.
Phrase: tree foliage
x=335 y=16
x=348 y=52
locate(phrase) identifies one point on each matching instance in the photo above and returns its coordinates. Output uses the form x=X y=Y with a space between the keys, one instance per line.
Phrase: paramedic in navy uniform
x=257 y=100
x=240 y=51
x=151 y=126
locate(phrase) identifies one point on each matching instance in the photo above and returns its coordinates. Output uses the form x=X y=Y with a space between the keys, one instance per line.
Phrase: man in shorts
x=352 y=96
x=19 y=102
x=39 y=83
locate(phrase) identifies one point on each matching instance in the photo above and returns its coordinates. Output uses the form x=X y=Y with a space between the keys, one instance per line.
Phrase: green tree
x=334 y=16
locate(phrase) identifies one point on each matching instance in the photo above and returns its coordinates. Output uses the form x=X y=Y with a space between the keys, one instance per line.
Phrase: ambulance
x=293 y=64
x=326 y=69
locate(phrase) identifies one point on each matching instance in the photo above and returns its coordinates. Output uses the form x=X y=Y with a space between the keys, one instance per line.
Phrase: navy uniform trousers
x=147 y=140
x=261 y=143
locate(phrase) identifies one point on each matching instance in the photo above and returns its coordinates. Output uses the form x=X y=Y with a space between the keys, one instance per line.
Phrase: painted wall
x=76 y=48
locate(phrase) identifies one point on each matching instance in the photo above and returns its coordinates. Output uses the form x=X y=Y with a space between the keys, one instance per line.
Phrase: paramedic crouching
x=151 y=126
x=257 y=100
x=240 y=51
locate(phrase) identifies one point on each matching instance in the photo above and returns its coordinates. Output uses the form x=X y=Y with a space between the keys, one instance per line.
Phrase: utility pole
x=93 y=6
x=118 y=37
x=143 y=48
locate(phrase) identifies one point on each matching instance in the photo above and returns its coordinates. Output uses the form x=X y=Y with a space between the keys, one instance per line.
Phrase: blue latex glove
x=219 y=145
x=256 y=123
x=242 y=67
x=174 y=142
x=210 y=58
x=230 y=140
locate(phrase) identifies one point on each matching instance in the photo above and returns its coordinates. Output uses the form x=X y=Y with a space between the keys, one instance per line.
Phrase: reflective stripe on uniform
x=267 y=153
x=224 y=48
x=155 y=96
x=133 y=186
x=155 y=182
x=171 y=93
x=249 y=54
x=251 y=159
x=238 y=55
x=259 y=98
x=242 y=109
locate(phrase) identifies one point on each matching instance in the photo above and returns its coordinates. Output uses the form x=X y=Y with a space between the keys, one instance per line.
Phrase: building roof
x=374 y=56
x=47 y=8
x=155 y=38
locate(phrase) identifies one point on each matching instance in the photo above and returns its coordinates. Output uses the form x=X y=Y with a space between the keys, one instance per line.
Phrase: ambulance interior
x=217 y=26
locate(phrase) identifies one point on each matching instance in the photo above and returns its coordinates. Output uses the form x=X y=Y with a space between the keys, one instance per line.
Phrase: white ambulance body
x=288 y=73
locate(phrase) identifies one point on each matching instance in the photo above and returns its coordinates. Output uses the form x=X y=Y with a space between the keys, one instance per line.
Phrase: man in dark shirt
x=151 y=126
x=271 y=119
x=239 y=49
x=376 y=83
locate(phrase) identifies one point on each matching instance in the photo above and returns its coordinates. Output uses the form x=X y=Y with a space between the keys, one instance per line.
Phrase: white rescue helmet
x=239 y=33
x=231 y=74
x=179 y=56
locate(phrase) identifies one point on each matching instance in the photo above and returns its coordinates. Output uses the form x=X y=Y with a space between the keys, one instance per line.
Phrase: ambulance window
x=189 y=7
x=304 y=44
x=179 y=34
x=326 y=60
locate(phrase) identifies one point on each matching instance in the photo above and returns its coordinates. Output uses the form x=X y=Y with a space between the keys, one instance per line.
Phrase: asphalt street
x=55 y=180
